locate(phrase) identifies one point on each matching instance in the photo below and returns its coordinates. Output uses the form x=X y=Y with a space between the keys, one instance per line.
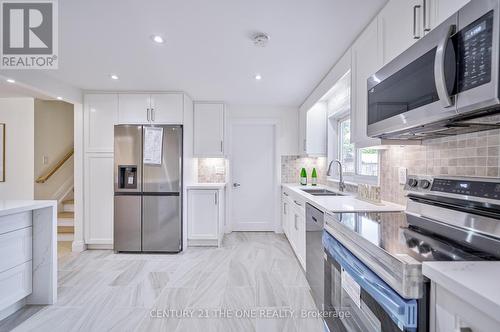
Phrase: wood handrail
x=60 y=163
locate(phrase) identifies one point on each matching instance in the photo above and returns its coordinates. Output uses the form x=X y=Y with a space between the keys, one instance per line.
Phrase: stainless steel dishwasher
x=314 y=253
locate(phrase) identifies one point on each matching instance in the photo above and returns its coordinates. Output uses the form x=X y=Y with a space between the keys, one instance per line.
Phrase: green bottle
x=314 y=177
x=303 y=177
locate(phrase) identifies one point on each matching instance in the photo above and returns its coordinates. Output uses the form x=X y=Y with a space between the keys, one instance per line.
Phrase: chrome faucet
x=341 y=174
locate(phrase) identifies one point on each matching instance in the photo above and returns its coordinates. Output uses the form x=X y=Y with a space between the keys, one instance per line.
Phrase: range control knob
x=424 y=184
x=412 y=182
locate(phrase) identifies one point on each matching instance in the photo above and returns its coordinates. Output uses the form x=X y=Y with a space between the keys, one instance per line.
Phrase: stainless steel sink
x=321 y=192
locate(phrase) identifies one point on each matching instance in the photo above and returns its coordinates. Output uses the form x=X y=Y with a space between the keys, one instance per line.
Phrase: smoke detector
x=261 y=39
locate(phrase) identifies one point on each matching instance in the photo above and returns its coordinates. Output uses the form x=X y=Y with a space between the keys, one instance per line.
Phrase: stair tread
x=65 y=229
x=69 y=201
x=66 y=214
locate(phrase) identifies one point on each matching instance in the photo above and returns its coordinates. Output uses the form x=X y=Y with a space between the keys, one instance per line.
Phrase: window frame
x=354 y=178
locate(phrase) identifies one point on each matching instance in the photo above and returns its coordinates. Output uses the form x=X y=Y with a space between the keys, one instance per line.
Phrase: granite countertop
x=16 y=206
x=336 y=204
x=474 y=282
x=206 y=185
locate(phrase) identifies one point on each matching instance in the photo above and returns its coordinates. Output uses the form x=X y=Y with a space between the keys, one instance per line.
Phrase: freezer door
x=161 y=223
x=128 y=158
x=166 y=177
x=127 y=227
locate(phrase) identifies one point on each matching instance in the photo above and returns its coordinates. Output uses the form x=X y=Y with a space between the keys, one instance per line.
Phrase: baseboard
x=4 y=313
x=203 y=243
x=99 y=247
x=78 y=246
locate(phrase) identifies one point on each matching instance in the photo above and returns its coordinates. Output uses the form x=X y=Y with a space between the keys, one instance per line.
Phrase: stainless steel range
x=373 y=260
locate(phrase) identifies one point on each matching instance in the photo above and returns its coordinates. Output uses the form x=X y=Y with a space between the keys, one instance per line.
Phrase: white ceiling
x=208 y=52
x=9 y=90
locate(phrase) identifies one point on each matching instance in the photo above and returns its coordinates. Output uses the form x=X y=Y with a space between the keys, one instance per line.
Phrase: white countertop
x=337 y=204
x=15 y=206
x=216 y=186
x=475 y=282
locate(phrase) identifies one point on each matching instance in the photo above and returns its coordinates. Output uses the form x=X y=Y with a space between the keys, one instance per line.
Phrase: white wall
x=18 y=116
x=53 y=139
x=288 y=120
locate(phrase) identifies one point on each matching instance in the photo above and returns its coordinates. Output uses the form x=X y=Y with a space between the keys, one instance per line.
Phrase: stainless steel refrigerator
x=148 y=188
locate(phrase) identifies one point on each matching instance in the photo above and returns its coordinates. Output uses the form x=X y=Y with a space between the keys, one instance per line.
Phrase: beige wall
x=18 y=116
x=53 y=139
x=475 y=154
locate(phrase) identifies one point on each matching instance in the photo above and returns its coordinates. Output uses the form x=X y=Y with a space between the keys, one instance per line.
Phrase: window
x=359 y=165
x=346 y=149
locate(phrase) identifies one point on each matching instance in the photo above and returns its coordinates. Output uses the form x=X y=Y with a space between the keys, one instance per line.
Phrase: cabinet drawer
x=13 y=222
x=15 y=284
x=15 y=248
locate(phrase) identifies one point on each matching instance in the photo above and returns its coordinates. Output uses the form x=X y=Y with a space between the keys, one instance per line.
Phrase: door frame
x=275 y=123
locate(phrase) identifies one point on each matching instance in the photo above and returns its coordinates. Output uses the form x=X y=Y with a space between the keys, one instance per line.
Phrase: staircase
x=66 y=221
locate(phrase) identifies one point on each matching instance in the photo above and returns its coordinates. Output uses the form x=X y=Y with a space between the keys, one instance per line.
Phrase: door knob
x=236 y=185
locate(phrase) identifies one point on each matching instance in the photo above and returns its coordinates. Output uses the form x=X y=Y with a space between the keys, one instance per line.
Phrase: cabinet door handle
x=285 y=194
x=221 y=145
x=148 y=113
x=216 y=199
x=305 y=145
x=295 y=223
x=297 y=203
x=415 y=8
x=465 y=329
x=427 y=27
x=153 y=114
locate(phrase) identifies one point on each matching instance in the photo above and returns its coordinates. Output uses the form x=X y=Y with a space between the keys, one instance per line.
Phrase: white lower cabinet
x=451 y=313
x=294 y=225
x=16 y=242
x=205 y=217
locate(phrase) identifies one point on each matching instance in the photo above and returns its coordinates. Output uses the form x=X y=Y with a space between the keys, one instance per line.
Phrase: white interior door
x=253 y=175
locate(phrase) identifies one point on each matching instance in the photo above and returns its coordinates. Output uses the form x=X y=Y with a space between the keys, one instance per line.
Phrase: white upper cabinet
x=312 y=131
x=400 y=24
x=134 y=108
x=167 y=108
x=440 y=10
x=208 y=129
x=100 y=116
x=137 y=108
x=365 y=62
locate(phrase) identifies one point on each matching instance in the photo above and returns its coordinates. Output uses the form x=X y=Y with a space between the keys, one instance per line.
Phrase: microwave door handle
x=439 y=71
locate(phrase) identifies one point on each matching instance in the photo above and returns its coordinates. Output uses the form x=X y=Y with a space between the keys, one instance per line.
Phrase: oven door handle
x=439 y=68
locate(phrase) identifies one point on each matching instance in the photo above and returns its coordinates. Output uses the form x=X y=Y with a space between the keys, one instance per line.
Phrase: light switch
x=45 y=160
x=403 y=171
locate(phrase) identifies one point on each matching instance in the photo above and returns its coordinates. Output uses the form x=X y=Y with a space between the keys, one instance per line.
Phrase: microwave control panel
x=474 y=53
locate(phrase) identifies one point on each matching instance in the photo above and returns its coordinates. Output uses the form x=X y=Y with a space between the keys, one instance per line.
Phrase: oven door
x=358 y=300
x=417 y=87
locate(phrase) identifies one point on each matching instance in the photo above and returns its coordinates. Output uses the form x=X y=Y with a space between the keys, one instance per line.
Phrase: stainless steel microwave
x=445 y=84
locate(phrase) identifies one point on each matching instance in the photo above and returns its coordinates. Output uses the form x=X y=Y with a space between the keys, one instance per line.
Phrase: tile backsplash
x=291 y=166
x=211 y=170
x=475 y=154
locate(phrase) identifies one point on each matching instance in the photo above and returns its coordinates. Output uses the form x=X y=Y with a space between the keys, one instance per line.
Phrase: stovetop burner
x=391 y=232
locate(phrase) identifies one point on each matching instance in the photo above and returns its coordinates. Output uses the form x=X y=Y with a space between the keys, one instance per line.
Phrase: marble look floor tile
x=103 y=291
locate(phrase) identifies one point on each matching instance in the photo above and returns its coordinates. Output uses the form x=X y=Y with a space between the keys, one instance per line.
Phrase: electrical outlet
x=45 y=160
x=403 y=171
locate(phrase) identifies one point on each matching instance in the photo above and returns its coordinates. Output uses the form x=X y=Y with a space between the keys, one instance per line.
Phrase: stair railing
x=43 y=178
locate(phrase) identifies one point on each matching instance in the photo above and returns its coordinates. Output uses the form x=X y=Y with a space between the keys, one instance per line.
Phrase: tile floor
x=252 y=274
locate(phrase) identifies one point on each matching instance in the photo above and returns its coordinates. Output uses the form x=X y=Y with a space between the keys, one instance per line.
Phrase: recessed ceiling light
x=59 y=98
x=113 y=77
x=158 y=39
x=258 y=77
x=10 y=80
